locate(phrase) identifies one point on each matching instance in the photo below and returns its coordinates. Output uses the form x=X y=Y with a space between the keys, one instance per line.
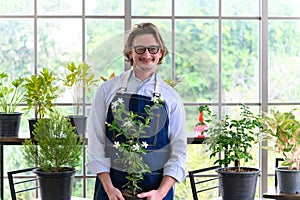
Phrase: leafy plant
x=132 y=126
x=81 y=78
x=58 y=145
x=11 y=93
x=233 y=137
x=40 y=92
x=284 y=130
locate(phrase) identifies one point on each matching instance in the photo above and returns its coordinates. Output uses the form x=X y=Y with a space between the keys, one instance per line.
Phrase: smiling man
x=141 y=86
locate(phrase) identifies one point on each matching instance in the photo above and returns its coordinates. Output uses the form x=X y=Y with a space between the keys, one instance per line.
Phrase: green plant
x=132 y=127
x=40 y=92
x=233 y=137
x=81 y=78
x=58 y=145
x=284 y=130
x=10 y=95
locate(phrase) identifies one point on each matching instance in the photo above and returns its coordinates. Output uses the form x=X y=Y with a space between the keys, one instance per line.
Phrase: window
x=218 y=47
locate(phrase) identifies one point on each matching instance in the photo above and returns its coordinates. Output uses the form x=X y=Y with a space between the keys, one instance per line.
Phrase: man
x=144 y=50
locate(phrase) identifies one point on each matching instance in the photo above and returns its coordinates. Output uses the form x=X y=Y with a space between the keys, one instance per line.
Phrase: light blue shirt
x=175 y=166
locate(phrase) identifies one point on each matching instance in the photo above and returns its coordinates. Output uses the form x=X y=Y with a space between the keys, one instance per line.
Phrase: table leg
x=1 y=173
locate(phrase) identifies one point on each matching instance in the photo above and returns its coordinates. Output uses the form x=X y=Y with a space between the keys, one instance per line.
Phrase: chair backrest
x=277 y=165
x=199 y=180
x=27 y=183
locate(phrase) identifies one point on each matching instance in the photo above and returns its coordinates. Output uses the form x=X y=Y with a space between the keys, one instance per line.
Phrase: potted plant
x=56 y=151
x=81 y=78
x=11 y=94
x=283 y=129
x=40 y=94
x=130 y=129
x=234 y=138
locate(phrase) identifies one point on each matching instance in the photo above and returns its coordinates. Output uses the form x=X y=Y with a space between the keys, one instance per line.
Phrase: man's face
x=145 y=53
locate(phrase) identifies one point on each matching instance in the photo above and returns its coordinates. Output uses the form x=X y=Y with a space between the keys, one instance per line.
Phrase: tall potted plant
x=81 y=79
x=233 y=138
x=56 y=150
x=283 y=130
x=11 y=94
x=129 y=145
x=40 y=92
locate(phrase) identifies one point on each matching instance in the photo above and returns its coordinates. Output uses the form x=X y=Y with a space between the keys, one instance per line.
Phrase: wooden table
x=275 y=194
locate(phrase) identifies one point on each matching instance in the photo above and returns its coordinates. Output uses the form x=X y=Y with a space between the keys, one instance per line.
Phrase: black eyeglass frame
x=157 y=48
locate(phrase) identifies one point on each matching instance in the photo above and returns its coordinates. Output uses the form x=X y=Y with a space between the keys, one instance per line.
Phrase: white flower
x=120 y=100
x=114 y=105
x=144 y=144
x=127 y=124
x=136 y=147
x=116 y=144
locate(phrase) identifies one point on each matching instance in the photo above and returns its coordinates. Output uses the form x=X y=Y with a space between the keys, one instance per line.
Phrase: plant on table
x=132 y=126
x=82 y=79
x=283 y=129
x=235 y=137
x=40 y=93
x=11 y=93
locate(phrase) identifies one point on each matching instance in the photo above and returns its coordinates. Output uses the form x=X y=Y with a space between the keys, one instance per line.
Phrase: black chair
x=197 y=180
x=277 y=165
x=28 y=183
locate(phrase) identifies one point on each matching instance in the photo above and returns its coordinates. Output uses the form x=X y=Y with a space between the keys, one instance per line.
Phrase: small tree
x=40 y=92
x=58 y=145
x=233 y=137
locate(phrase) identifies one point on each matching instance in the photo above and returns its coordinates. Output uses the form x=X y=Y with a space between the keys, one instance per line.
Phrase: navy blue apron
x=158 y=151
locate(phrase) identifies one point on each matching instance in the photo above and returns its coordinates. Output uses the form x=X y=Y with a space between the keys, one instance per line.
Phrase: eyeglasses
x=142 y=49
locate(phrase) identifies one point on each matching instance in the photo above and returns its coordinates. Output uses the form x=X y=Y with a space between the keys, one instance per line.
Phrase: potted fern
x=233 y=138
x=40 y=92
x=282 y=129
x=56 y=150
x=81 y=79
x=11 y=94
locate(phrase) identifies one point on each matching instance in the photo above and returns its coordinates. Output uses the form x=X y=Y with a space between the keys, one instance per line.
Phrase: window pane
x=104 y=7
x=196 y=59
x=16 y=47
x=60 y=47
x=240 y=65
x=284 y=8
x=155 y=8
x=196 y=7
x=59 y=7
x=104 y=45
x=284 y=67
x=19 y=7
x=240 y=7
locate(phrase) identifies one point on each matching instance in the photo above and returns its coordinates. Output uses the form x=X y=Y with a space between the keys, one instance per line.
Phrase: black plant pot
x=288 y=180
x=131 y=197
x=10 y=124
x=238 y=185
x=55 y=185
x=31 y=123
x=79 y=122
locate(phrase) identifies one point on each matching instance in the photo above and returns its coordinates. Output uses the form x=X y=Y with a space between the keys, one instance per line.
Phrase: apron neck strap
x=126 y=79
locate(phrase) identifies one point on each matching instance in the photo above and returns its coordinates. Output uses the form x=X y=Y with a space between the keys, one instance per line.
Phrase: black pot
x=131 y=197
x=56 y=185
x=79 y=122
x=288 y=180
x=10 y=124
x=238 y=185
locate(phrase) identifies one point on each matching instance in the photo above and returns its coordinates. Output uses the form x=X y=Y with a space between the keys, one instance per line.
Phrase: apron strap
x=125 y=82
